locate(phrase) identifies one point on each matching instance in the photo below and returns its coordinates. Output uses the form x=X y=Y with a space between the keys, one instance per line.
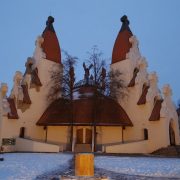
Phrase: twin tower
x=51 y=47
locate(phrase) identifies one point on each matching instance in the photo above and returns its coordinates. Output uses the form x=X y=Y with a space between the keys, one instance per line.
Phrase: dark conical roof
x=122 y=44
x=51 y=45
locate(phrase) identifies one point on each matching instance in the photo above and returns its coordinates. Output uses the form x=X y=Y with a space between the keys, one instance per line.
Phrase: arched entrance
x=22 y=132
x=171 y=134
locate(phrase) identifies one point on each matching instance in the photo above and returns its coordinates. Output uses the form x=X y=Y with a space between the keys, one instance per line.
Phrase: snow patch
x=29 y=165
x=145 y=166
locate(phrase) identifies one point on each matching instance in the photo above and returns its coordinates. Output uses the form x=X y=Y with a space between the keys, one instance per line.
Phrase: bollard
x=84 y=164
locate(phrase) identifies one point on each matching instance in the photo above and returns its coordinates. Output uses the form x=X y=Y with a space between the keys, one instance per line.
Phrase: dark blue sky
x=81 y=24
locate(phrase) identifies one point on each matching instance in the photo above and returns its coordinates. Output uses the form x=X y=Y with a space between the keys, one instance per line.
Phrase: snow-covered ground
x=27 y=166
x=143 y=166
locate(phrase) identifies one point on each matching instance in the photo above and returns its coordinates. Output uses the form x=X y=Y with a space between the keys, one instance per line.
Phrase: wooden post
x=71 y=138
x=72 y=127
x=46 y=129
x=94 y=138
x=84 y=164
x=122 y=134
x=92 y=142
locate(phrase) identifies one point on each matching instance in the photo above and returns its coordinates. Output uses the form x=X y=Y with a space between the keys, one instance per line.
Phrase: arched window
x=171 y=134
x=22 y=132
x=145 y=134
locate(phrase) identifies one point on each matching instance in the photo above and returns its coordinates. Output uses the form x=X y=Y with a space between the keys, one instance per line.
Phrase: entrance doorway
x=22 y=132
x=84 y=136
x=79 y=138
x=171 y=134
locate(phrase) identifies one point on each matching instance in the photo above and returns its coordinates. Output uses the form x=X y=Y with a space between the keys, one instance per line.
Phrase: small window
x=136 y=70
x=22 y=132
x=145 y=134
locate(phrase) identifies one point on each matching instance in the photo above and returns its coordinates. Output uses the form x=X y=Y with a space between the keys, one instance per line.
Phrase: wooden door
x=88 y=139
x=84 y=136
x=79 y=137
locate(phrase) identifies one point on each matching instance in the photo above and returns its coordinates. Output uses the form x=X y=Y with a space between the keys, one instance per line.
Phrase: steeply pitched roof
x=88 y=111
x=142 y=99
x=133 y=80
x=26 y=98
x=122 y=44
x=13 y=111
x=155 y=115
x=51 y=45
x=35 y=78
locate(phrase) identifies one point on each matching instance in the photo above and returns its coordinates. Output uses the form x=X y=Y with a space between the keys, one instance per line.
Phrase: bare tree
x=63 y=79
x=63 y=85
x=108 y=82
x=95 y=59
x=68 y=76
x=114 y=85
x=55 y=84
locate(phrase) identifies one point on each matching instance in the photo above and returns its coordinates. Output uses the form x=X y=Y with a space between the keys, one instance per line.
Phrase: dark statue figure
x=87 y=73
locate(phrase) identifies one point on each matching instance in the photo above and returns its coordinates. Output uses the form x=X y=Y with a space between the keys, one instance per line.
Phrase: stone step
x=178 y=148
x=168 y=151
x=83 y=148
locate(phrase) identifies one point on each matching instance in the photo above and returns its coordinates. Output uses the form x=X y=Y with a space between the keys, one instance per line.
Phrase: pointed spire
x=122 y=44
x=51 y=45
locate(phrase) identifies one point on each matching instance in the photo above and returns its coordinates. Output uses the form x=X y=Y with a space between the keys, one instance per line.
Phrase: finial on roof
x=124 y=19
x=50 y=20
x=49 y=24
x=125 y=23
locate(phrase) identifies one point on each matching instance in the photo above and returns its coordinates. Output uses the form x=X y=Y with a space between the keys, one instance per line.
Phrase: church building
x=142 y=122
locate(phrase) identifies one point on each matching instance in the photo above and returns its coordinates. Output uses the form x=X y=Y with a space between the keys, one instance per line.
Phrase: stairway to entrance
x=168 y=151
x=82 y=148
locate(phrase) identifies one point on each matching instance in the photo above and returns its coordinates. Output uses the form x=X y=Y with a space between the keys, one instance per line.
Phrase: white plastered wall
x=39 y=103
x=158 y=131
x=57 y=134
x=109 y=134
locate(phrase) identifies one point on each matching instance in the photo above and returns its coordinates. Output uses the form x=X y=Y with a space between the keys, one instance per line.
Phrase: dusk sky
x=81 y=24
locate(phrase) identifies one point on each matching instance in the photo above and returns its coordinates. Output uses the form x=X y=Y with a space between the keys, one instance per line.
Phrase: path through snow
x=27 y=166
